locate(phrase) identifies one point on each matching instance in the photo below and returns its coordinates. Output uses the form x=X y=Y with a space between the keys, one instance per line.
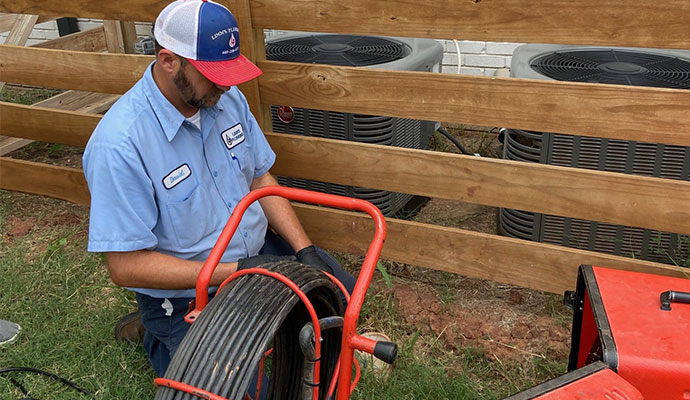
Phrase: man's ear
x=168 y=61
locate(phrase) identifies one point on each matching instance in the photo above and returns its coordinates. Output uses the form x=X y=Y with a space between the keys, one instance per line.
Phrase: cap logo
x=232 y=40
x=219 y=34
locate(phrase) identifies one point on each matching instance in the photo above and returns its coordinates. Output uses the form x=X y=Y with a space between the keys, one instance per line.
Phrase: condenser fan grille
x=342 y=50
x=618 y=67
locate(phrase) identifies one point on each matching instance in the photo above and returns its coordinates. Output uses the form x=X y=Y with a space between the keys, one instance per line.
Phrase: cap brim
x=228 y=73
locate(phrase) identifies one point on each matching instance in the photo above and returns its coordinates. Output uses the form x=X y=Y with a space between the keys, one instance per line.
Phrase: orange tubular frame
x=351 y=341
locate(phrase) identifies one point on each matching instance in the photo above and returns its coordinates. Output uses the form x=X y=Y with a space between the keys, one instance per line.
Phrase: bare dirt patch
x=498 y=330
x=17 y=227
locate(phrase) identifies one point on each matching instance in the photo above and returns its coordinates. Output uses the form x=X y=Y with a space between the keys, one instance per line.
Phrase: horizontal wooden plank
x=609 y=22
x=517 y=262
x=40 y=123
x=619 y=112
x=591 y=22
x=533 y=265
x=89 y=40
x=83 y=102
x=46 y=125
x=93 y=72
x=594 y=195
x=613 y=111
x=123 y=10
x=80 y=70
x=45 y=180
x=645 y=202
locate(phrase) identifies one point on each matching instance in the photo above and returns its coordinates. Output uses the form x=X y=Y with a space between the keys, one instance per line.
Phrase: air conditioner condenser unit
x=401 y=54
x=623 y=66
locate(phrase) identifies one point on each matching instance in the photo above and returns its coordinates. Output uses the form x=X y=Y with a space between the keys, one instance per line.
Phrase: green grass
x=63 y=299
x=20 y=95
x=415 y=380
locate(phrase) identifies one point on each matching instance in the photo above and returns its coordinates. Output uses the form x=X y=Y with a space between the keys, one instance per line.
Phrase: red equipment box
x=594 y=381
x=619 y=319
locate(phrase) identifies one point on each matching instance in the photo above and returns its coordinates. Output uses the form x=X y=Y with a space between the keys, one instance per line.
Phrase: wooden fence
x=606 y=111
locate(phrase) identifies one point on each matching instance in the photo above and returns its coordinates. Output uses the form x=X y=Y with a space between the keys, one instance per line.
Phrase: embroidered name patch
x=232 y=136
x=176 y=176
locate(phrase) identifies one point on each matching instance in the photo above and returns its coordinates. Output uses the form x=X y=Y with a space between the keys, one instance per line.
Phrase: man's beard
x=189 y=96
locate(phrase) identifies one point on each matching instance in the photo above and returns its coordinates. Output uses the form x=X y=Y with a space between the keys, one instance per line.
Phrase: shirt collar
x=169 y=117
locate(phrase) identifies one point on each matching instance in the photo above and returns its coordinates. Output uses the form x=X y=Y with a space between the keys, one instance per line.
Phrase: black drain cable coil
x=223 y=348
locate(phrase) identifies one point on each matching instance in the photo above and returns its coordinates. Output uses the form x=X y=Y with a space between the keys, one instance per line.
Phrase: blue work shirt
x=158 y=183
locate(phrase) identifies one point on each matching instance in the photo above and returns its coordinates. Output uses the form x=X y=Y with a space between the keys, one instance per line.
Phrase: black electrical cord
x=41 y=372
x=455 y=141
x=223 y=348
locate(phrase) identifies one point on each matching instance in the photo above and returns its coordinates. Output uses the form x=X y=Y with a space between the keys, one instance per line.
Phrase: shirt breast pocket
x=189 y=218
x=242 y=163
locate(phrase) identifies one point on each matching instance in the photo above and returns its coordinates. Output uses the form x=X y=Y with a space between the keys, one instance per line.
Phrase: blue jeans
x=164 y=318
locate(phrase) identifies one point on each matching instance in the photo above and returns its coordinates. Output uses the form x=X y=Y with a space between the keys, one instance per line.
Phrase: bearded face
x=190 y=95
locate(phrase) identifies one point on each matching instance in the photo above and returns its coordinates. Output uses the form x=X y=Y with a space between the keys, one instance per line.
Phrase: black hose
x=455 y=141
x=40 y=372
x=223 y=348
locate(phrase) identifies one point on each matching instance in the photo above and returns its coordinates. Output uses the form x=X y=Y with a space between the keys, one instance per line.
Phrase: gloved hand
x=310 y=256
x=259 y=260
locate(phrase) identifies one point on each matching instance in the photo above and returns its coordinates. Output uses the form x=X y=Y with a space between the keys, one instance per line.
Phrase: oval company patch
x=176 y=176
x=232 y=136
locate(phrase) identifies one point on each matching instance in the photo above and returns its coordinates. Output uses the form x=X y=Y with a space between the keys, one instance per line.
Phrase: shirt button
x=245 y=233
x=215 y=174
x=229 y=204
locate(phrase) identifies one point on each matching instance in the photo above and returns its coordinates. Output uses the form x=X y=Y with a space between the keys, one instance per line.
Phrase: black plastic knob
x=386 y=351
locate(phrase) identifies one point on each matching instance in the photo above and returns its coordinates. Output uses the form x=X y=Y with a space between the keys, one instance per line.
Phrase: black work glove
x=259 y=260
x=310 y=256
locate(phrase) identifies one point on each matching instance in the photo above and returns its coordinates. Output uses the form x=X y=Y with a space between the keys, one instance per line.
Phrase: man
x=170 y=160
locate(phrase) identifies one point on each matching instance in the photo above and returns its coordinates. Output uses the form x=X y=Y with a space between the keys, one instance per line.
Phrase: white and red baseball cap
x=206 y=34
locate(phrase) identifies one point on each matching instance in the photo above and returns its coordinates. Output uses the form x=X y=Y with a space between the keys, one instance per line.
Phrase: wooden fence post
x=113 y=36
x=129 y=35
x=253 y=47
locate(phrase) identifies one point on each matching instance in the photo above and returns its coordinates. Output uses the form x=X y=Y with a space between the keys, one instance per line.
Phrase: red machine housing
x=594 y=381
x=619 y=320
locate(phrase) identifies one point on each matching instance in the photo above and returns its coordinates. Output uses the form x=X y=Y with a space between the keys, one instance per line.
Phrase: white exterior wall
x=477 y=58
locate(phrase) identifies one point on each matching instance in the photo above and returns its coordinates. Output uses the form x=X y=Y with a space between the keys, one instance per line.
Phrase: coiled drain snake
x=263 y=311
x=265 y=302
